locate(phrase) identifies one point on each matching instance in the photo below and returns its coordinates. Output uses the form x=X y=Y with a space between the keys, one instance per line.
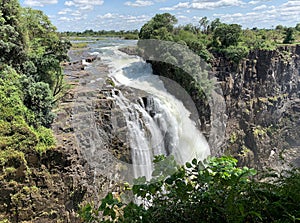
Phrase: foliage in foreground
x=216 y=191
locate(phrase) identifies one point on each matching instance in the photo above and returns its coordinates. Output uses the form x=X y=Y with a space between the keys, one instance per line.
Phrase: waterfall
x=145 y=136
x=157 y=124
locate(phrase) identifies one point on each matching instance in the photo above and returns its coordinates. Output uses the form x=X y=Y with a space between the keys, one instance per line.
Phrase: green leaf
x=152 y=188
x=102 y=206
x=188 y=165
x=194 y=161
x=109 y=197
x=169 y=180
x=113 y=214
x=106 y=212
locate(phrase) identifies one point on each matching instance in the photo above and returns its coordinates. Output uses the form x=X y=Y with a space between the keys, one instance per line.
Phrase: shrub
x=213 y=191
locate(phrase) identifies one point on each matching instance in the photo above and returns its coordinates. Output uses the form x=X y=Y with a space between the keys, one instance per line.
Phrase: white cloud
x=40 y=3
x=255 y=2
x=77 y=17
x=107 y=16
x=69 y=3
x=88 y=2
x=288 y=12
x=86 y=7
x=215 y=4
x=206 y=4
x=117 y=21
x=64 y=11
x=84 y=4
x=178 y=6
x=291 y=3
x=182 y=17
x=76 y=13
x=139 y=3
x=125 y=18
x=167 y=9
x=64 y=18
x=261 y=7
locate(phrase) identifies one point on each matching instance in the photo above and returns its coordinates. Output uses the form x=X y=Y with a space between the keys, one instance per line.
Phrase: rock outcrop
x=49 y=187
x=262 y=97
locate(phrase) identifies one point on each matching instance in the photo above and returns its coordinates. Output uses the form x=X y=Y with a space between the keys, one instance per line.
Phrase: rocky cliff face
x=49 y=187
x=262 y=97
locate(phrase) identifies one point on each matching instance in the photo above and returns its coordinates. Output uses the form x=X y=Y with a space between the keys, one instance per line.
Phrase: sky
x=80 y=15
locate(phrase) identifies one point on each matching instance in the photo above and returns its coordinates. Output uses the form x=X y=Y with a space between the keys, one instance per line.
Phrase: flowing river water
x=156 y=124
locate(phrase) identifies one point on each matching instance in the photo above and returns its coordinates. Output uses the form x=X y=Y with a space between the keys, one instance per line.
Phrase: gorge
x=84 y=113
x=262 y=125
x=258 y=118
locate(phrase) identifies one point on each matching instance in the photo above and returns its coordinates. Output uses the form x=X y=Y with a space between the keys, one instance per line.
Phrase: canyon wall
x=262 y=98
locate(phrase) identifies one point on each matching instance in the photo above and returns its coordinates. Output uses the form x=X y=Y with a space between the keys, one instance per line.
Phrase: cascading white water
x=157 y=124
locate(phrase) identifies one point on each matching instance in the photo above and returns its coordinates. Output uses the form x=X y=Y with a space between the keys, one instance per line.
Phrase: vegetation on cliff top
x=31 y=76
x=133 y=34
x=209 y=37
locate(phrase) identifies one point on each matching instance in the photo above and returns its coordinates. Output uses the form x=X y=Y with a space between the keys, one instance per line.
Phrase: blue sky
x=79 y=15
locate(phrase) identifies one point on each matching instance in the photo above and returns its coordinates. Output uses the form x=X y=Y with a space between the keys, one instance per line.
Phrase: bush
x=236 y=53
x=46 y=139
x=214 y=191
x=38 y=98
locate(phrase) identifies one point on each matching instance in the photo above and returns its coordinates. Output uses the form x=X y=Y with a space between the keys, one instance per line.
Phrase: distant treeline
x=131 y=34
x=210 y=37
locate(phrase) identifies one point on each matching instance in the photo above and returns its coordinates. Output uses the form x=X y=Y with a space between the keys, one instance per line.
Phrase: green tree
x=289 y=36
x=226 y=35
x=38 y=97
x=204 y=23
x=163 y=34
x=190 y=28
x=279 y=27
x=15 y=117
x=12 y=37
x=236 y=53
x=214 y=24
x=149 y=30
x=45 y=50
x=297 y=27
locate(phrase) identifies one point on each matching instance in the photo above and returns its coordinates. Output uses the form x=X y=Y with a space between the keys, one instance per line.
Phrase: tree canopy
x=227 y=35
x=12 y=36
x=158 y=26
x=214 y=37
